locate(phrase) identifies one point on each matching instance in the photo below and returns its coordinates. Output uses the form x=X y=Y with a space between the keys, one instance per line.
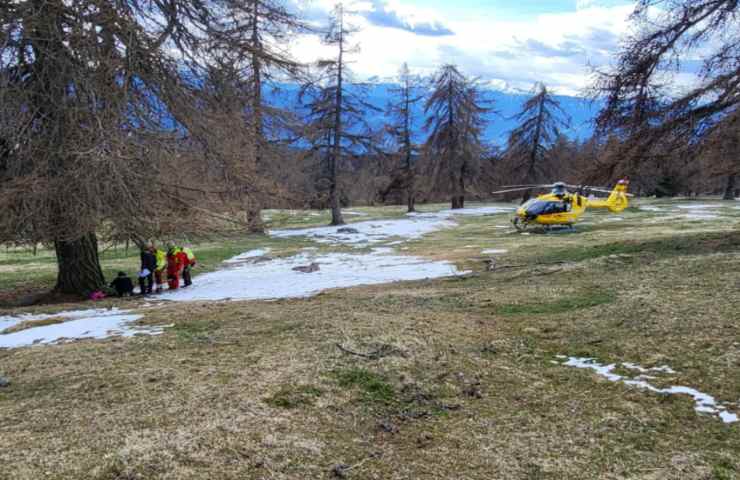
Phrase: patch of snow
x=613 y=219
x=96 y=323
x=588 y=363
x=358 y=214
x=700 y=216
x=477 y=211
x=728 y=417
x=494 y=251
x=277 y=279
x=662 y=369
x=649 y=208
x=260 y=252
x=370 y=231
x=700 y=206
x=703 y=402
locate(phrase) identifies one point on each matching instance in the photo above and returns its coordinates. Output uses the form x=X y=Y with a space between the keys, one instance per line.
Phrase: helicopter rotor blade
x=604 y=190
x=527 y=185
x=513 y=190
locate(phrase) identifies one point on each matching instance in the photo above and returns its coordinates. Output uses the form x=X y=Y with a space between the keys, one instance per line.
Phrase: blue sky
x=508 y=44
x=503 y=9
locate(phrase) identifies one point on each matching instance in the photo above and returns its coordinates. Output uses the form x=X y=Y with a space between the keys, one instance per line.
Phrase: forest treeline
x=136 y=120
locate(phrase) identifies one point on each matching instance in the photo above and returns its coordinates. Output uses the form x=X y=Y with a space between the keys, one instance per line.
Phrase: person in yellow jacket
x=161 y=257
x=189 y=263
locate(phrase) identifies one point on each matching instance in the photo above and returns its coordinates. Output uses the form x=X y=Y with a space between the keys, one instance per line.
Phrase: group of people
x=156 y=267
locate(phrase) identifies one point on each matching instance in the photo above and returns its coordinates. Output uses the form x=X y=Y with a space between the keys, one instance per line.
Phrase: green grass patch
x=374 y=386
x=292 y=396
x=561 y=305
x=195 y=331
x=723 y=472
x=694 y=244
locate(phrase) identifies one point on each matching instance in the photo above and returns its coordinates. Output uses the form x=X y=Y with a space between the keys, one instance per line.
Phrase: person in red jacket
x=174 y=267
x=182 y=259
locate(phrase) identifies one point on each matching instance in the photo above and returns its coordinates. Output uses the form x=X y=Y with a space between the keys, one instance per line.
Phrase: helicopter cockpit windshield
x=536 y=207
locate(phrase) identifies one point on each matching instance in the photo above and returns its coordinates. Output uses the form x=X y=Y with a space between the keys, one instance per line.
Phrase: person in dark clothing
x=148 y=266
x=123 y=285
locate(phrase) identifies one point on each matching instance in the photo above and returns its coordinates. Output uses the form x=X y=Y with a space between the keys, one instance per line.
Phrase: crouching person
x=123 y=285
x=174 y=267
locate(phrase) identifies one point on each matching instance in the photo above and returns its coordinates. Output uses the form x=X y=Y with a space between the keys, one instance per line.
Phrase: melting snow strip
x=369 y=232
x=246 y=279
x=699 y=206
x=700 y=216
x=279 y=279
x=494 y=251
x=95 y=323
x=703 y=402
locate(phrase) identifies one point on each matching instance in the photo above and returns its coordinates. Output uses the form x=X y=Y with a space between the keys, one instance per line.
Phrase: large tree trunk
x=730 y=189
x=336 y=154
x=254 y=220
x=336 y=207
x=79 y=266
x=411 y=201
x=458 y=198
x=254 y=214
x=410 y=186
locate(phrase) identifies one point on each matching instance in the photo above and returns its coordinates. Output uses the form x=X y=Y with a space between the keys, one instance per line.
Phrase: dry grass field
x=456 y=378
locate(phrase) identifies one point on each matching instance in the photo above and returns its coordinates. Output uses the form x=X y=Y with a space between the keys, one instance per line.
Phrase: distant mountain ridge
x=500 y=121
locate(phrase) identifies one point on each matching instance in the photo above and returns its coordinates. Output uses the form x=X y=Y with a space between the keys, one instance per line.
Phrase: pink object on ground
x=97 y=295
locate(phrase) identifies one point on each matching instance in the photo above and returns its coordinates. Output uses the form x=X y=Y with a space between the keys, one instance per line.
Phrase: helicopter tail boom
x=617 y=200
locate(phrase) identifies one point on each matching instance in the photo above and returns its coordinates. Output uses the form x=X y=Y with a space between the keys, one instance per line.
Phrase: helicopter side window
x=541 y=207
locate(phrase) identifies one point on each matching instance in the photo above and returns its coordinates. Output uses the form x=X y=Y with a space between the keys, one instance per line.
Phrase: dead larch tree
x=261 y=61
x=336 y=113
x=540 y=122
x=455 y=112
x=649 y=119
x=97 y=100
x=406 y=95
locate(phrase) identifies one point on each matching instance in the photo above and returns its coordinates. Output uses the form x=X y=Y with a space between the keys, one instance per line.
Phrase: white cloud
x=554 y=48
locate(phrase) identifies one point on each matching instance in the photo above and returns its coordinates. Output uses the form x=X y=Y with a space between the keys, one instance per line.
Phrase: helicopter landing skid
x=519 y=224
x=523 y=225
x=559 y=229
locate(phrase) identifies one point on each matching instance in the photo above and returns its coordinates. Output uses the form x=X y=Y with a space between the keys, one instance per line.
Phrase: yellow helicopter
x=565 y=204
